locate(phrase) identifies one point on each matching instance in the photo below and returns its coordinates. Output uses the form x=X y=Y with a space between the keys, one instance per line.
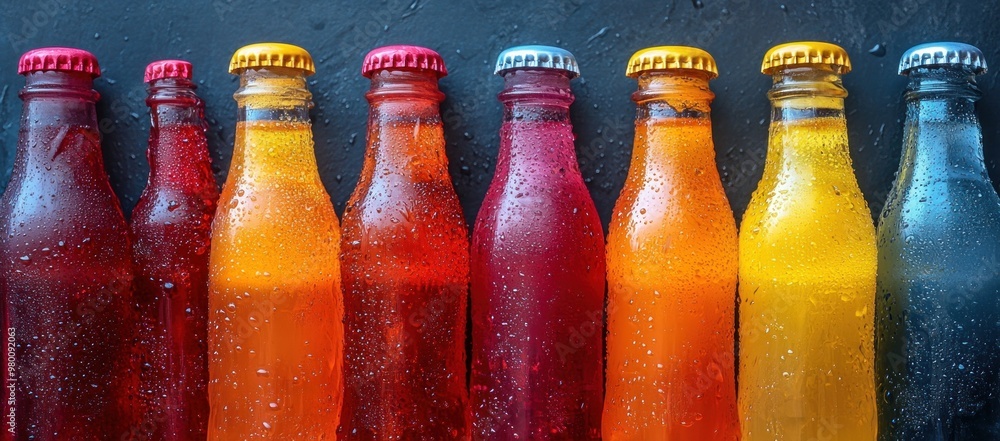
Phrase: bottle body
x=672 y=265
x=405 y=256
x=67 y=273
x=171 y=230
x=807 y=277
x=939 y=273
x=537 y=278
x=275 y=309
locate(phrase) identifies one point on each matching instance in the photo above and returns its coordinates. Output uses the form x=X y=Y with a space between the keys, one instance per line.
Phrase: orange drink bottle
x=672 y=265
x=275 y=308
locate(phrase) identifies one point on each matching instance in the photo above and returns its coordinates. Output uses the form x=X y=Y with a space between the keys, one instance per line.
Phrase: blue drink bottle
x=938 y=303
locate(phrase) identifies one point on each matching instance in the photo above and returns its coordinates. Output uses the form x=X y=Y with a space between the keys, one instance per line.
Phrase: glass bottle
x=405 y=257
x=66 y=265
x=807 y=265
x=938 y=316
x=171 y=228
x=672 y=264
x=275 y=308
x=537 y=267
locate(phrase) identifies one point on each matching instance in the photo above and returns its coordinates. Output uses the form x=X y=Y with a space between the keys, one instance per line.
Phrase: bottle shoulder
x=654 y=211
x=268 y=238
x=942 y=216
x=791 y=199
x=176 y=208
x=396 y=209
x=47 y=201
x=65 y=239
x=551 y=201
x=538 y=226
x=807 y=232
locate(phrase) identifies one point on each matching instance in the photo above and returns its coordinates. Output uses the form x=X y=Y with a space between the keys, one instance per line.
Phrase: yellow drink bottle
x=672 y=266
x=275 y=306
x=807 y=265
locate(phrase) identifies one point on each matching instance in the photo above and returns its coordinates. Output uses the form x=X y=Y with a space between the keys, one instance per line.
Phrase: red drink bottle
x=537 y=267
x=66 y=265
x=405 y=264
x=171 y=226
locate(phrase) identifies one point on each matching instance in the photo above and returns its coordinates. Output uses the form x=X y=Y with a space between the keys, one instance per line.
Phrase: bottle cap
x=62 y=59
x=403 y=57
x=271 y=55
x=537 y=57
x=944 y=53
x=806 y=53
x=669 y=58
x=167 y=69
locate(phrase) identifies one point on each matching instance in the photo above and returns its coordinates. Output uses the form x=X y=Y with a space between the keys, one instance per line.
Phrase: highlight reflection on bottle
x=807 y=265
x=275 y=308
x=672 y=265
x=537 y=267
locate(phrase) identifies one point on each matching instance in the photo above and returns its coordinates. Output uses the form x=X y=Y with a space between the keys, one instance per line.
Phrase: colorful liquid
x=171 y=226
x=406 y=276
x=537 y=291
x=938 y=370
x=807 y=285
x=67 y=284
x=672 y=264
x=275 y=310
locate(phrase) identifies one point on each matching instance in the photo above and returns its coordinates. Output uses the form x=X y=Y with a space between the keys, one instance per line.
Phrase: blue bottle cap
x=943 y=54
x=537 y=57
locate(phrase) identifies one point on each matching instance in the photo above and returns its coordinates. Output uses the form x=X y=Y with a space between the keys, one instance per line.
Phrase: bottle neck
x=273 y=94
x=59 y=124
x=806 y=93
x=808 y=132
x=536 y=89
x=173 y=101
x=178 y=149
x=942 y=135
x=673 y=119
x=536 y=122
x=274 y=133
x=405 y=133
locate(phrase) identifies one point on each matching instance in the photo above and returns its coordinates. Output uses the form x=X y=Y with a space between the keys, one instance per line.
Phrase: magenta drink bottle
x=537 y=269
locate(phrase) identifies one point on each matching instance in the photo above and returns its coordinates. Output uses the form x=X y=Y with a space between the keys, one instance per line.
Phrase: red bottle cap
x=63 y=59
x=403 y=57
x=168 y=69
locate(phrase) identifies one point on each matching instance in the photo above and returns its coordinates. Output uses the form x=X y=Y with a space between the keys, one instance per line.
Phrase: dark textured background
x=470 y=34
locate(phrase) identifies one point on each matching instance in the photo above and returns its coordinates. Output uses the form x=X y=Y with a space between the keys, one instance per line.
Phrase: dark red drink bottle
x=66 y=265
x=537 y=267
x=171 y=227
x=405 y=264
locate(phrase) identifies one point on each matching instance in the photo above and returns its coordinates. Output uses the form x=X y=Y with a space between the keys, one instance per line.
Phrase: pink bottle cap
x=168 y=69
x=63 y=59
x=403 y=57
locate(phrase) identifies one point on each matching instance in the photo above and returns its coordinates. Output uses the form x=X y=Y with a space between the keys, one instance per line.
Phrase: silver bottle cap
x=943 y=54
x=537 y=57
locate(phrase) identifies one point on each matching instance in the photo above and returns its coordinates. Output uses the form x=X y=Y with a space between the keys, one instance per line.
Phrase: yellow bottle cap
x=271 y=55
x=806 y=53
x=671 y=57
